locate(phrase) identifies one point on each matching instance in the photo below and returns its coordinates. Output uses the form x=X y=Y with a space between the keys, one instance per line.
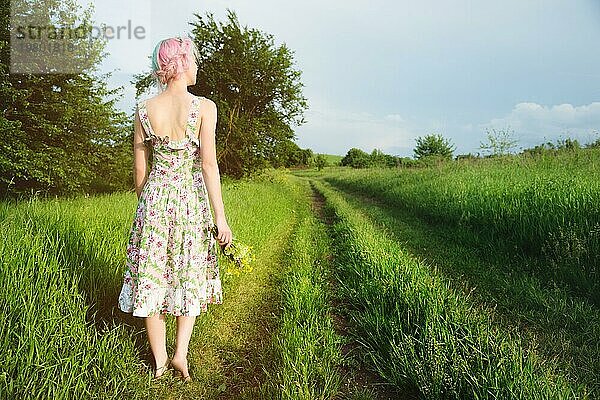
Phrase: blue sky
x=379 y=74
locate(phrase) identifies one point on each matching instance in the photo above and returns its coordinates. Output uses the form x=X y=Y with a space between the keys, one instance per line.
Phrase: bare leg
x=155 y=327
x=185 y=325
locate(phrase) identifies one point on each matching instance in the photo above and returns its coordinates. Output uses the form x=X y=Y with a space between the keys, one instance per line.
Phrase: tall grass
x=419 y=332
x=559 y=325
x=62 y=336
x=49 y=349
x=546 y=206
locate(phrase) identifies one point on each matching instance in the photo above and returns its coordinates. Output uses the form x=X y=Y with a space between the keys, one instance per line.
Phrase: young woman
x=171 y=263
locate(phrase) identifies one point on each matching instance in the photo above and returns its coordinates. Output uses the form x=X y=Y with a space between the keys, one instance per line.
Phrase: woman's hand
x=225 y=237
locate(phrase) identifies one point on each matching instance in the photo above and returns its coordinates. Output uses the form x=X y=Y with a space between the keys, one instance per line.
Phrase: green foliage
x=431 y=160
x=62 y=335
x=61 y=134
x=527 y=203
x=320 y=162
x=533 y=234
x=568 y=144
x=380 y=159
x=561 y=146
x=58 y=259
x=407 y=162
x=356 y=158
x=500 y=142
x=257 y=91
x=239 y=256
x=433 y=144
x=595 y=143
x=306 y=341
x=288 y=154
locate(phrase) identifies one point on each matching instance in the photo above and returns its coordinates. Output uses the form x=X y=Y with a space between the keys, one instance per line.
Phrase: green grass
x=333 y=159
x=308 y=346
x=469 y=280
x=558 y=325
x=545 y=207
x=50 y=348
x=63 y=336
x=419 y=331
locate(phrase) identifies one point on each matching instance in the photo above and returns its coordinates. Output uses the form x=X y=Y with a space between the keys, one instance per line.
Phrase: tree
x=433 y=145
x=568 y=144
x=61 y=131
x=286 y=154
x=356 y=158
x=561 y=145
x=377 y=158
x=499 y=142
x=320 y=162
x=255 y=87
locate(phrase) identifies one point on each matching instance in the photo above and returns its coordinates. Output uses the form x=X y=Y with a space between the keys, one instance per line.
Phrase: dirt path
x=231 y=346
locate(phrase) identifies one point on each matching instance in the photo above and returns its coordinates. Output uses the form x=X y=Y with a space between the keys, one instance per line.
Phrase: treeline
x=435 y=149
x=63 y=135
x=358 y=158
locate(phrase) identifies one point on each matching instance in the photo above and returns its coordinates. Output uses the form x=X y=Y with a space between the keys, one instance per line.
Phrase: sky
x=379 y=74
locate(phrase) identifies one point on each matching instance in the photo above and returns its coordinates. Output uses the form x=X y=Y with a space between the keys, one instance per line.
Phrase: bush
x=433 y=145
x=356 y=158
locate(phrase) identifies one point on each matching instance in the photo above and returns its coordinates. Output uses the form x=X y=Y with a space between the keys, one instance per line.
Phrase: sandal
x=164 y=369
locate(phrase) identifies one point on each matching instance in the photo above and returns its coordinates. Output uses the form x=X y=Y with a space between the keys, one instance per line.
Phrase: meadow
x=513 y=241
x=468 y=280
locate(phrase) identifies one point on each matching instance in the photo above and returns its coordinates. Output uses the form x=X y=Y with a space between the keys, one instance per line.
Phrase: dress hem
x=203 y=310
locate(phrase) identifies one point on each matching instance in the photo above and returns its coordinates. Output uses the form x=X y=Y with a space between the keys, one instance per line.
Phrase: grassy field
x=473 y=280
x=333 y=159
x=517 y=238
x=546 y=207
x=64 y=337
x=273 y=337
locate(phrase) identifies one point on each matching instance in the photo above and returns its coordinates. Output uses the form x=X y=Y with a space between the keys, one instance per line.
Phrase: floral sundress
x=171 y=265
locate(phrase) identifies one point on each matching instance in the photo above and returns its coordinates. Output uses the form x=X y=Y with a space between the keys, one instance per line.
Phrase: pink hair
x=172 y=57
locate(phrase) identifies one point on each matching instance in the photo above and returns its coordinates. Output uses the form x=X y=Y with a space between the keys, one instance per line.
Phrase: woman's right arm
x=210 y=170
x=140 y=156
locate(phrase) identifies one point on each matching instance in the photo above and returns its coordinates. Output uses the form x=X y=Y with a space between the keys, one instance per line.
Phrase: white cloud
x=534 y=124
x=335 y=131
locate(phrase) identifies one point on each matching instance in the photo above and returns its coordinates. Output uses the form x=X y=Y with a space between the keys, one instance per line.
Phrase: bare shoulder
x=207 y=103
x=151 y=100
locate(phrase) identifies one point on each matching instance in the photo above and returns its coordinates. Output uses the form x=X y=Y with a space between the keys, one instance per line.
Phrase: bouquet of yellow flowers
x=238 y=254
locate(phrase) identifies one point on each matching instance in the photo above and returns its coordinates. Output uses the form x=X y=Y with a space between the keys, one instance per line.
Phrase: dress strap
x=147 y=129
x=192 y=120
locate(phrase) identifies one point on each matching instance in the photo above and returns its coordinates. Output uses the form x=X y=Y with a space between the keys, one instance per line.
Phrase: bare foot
x=181 y=366
x=161 y=369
